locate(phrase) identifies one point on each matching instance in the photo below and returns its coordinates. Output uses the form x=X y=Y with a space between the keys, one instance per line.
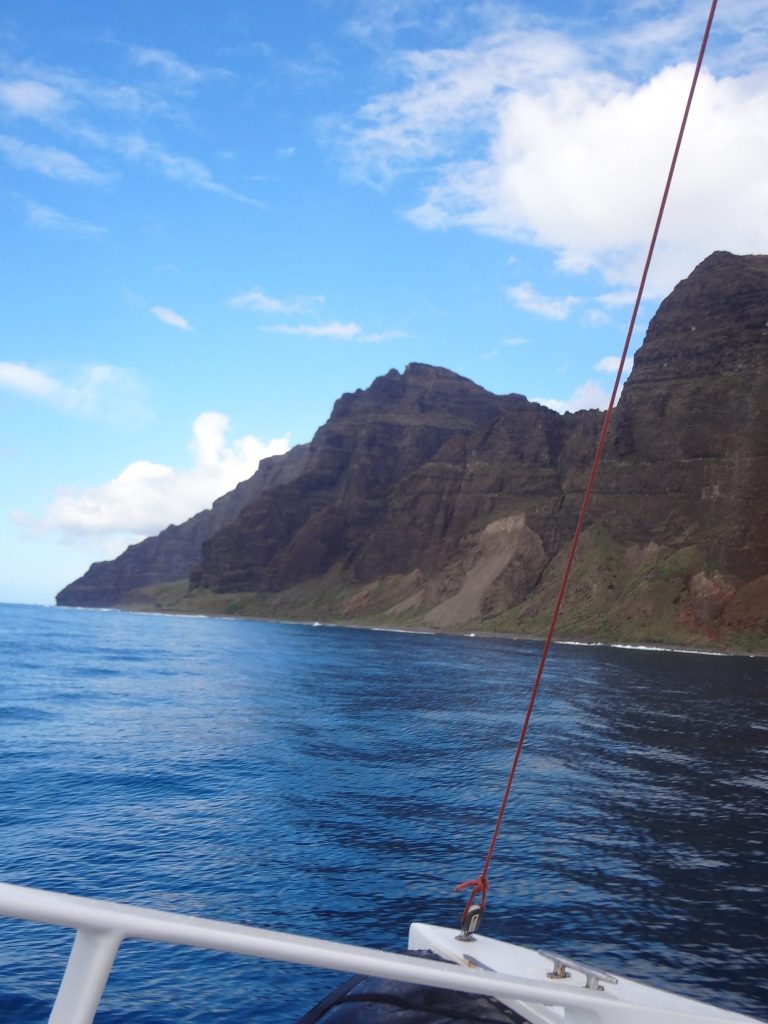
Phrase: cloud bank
x=563 y=145
x=146 y=496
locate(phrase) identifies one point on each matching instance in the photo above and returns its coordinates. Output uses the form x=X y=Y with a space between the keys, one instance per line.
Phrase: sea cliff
x=427 y=502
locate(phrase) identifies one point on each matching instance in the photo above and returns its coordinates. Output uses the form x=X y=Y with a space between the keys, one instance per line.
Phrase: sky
x=219 y=217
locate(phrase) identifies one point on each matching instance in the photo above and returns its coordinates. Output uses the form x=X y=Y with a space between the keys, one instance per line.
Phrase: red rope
x=479 y=886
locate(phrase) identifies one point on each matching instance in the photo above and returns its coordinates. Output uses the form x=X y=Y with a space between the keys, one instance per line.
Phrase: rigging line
x=479 y=886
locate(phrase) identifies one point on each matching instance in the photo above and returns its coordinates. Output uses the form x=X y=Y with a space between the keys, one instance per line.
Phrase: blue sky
x=219 y=217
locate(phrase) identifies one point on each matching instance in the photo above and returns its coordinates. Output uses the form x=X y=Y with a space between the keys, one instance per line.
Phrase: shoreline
x=658 y=648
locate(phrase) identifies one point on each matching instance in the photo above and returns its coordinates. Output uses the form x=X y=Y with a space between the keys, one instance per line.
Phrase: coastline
x=421 y=630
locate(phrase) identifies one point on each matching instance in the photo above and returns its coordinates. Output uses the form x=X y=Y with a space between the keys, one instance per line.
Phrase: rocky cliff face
x=688 y=458
x=394 y=482
x=425 y=500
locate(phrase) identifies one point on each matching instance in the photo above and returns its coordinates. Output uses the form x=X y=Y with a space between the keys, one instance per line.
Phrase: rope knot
x=478 y=888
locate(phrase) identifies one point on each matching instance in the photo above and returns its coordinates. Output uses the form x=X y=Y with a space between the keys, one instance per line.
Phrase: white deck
x=566 y=1000
x=512 y=974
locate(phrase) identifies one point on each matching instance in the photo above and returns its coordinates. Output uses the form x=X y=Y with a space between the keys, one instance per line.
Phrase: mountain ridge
x=426 y=501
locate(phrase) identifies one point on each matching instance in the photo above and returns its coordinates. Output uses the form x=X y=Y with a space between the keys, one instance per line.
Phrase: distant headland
x=427 y=502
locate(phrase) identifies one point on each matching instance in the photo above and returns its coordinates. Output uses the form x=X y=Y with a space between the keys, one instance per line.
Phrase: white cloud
x=50 y=93
x=515 y=342
x=610 y=364
x=258 y=300
x=52 y=220
x=73 y=106
x=382 y=335
x=109 y=393
x=168 y=63
x=26 y=380
x=381 y=19
x=170 y=317
x=50 y=161
x=589 y=395
x=596 y=318
x=28 y=98
x=526 y=297
x=625 y=297
x=532 y=137
x=451 y=92
x=335 y=329
x=184 y=169
x=146 y=496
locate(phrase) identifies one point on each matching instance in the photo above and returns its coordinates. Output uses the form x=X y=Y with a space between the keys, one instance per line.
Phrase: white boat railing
x=102 y=926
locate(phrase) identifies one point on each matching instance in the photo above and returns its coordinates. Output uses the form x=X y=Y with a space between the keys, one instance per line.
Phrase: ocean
x=341 y=782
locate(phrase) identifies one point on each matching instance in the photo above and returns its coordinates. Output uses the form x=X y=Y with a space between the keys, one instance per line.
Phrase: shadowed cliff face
x=393 y=483
x=688 y=457
x=426 y=500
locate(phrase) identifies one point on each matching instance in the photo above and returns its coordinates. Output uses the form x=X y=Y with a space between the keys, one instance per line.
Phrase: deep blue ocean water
x=340 y=782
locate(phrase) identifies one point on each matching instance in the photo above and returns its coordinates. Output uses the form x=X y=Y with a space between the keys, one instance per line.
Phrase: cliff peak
x=419 y=388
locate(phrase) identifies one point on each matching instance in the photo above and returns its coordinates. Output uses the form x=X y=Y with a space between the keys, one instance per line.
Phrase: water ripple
x=341 y=782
